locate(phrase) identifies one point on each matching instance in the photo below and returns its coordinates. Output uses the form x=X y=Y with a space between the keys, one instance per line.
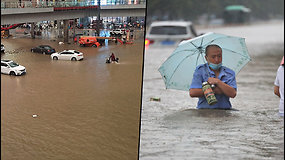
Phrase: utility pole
x=98 y=25
x=99 y=7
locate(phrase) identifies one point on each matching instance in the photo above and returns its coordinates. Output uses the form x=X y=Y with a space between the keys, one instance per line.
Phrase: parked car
x=169 y=32
x=67 y=55
x=118 y=32
x=44 y=49
x=12 y=68
x=2 y=48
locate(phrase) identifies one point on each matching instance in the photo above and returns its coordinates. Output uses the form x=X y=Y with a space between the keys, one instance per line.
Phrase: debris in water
x=155 y=99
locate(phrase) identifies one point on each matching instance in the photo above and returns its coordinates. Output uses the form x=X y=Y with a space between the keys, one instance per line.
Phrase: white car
x=118 y=32
x=165 y=33
x=12 y=68
x=2 y=48
x=67 y=55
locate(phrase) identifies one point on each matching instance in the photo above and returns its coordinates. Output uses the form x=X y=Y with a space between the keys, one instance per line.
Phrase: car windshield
x=168 y=30
x=13 y=64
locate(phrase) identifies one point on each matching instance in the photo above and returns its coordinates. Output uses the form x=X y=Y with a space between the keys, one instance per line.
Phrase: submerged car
x=12 y=68
x=44 y=49
x=2 y=48
x=164 y=33
x=67 y=55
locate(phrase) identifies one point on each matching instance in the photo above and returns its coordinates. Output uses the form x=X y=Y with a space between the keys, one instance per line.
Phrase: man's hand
x=222 y=88
x=214 y=81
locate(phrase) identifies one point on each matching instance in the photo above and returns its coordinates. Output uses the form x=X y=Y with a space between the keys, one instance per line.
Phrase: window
x=168 y=30
x=66 y=53
x=4 y=65
x=13 y=64
x=47 y=47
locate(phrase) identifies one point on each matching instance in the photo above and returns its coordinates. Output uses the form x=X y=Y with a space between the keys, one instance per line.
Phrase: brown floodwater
x=85 y=109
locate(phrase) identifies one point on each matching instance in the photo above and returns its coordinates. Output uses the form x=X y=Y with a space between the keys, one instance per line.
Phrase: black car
x=45 y=49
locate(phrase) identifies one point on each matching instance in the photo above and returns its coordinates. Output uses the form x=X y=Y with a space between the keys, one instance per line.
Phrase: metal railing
x=48 y=4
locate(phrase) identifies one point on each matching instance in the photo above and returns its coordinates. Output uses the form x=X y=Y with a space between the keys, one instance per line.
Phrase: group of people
x=224 y=81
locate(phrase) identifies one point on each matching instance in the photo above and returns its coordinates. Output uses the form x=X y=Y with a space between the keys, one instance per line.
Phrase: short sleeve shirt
x=201 y=75
x=279 y=81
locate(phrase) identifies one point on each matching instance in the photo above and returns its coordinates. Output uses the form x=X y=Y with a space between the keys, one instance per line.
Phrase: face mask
x=215 y=66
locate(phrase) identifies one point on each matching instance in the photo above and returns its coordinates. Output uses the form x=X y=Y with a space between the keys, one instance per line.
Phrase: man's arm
x=196 y=92
x=196 y=84
x=276 y=91
x=222 y=88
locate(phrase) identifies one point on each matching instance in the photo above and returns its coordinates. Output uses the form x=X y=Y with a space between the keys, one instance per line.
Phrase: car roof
x=71 y=50
x=45 y=45
x=171 y=23
x=6 y=60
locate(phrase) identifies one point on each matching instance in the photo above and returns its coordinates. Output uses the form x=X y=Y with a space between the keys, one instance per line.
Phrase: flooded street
x=85 y=110
x=174 y=129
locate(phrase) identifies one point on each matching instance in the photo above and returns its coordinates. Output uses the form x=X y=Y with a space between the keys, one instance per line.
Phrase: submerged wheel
x=12 y=73
x=73 y=59
x=55 y=58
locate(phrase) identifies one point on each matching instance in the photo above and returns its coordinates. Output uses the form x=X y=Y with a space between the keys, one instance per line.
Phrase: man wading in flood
x=222 y=77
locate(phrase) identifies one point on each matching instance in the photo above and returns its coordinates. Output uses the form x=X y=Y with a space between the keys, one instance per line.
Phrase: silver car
x=165 y=33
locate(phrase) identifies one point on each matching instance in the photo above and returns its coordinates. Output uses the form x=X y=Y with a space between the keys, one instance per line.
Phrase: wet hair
x=210 y=46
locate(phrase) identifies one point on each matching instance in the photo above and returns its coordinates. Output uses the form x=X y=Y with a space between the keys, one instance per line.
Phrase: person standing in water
x=215 y=74
x=279 y=87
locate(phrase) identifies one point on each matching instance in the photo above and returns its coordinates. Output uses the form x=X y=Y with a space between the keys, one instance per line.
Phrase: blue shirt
x=226 y=75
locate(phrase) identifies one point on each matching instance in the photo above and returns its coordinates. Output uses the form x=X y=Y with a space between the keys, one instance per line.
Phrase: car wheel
x=73 y=59
x=94 y=45
x=55 y=58
x=44 y=52
x=12 y=73
x=32 y=50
